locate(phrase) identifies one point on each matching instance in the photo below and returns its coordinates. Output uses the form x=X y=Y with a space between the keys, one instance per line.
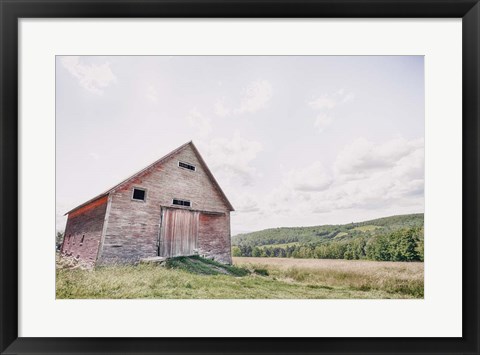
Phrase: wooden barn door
x=178 y=232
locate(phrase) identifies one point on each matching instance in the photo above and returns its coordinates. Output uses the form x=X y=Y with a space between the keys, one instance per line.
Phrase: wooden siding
x=133 y=226
x=214 y=237
x=179 y=232
x=86 y=223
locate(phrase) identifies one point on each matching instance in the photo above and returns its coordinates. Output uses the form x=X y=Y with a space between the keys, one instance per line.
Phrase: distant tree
x=418 y=235
x=58 y=240
x=377 y=248
x=246 y=250
x=349 y=252
x=419 y=248
x=256 y=252
x=405 y=246
x=320 y=252
x=236 y=251
x=357 y=248
x=289 y=251
x=401 y=245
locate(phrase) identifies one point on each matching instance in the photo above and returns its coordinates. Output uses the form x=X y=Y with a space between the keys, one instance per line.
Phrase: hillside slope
x=395 y=238
x=327 y=233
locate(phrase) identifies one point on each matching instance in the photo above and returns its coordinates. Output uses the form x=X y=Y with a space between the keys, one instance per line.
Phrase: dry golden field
x=379 y=279
x=412 y=270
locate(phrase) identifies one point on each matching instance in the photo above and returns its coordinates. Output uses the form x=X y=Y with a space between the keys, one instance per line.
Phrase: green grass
x=196 y=278
x=202 y=266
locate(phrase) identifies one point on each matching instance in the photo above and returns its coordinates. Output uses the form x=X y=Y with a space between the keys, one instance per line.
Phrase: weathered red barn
x=172 y=207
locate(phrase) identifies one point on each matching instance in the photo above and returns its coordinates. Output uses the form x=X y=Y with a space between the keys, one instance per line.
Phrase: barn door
x=178 y=233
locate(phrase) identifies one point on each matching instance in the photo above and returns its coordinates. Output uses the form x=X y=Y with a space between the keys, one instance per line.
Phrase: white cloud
x=348 y=97
x=201 y=123
x=323 y=102
x=256 y=96
x=362 y=156
x=388 y=176
x=231 y=159
x=91 y=77
x=311 y=178
x=94 y=156
x=322 y=121
x=152 y=94
x=245 y=203
x=220 y=109
x=412 y=165
x=328 y=102
x=370 y=175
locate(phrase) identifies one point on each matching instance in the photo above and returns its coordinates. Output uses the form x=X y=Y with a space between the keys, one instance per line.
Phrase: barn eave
x=87 y=203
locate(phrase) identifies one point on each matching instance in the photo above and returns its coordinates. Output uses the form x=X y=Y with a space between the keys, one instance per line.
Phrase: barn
x=173 y=207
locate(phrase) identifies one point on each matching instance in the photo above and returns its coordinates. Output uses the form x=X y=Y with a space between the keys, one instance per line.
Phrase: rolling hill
x=326 y=233
x=395 y=238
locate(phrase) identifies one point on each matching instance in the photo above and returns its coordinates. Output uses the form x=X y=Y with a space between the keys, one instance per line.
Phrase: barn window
x=138 y=194
x=186 y=166
x=178 y=202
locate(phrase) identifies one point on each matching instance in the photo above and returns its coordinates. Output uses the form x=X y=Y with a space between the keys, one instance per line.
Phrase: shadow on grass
x=202 y=266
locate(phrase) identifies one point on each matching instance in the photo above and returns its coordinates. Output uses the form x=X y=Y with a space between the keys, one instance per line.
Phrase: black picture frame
x=11 y=11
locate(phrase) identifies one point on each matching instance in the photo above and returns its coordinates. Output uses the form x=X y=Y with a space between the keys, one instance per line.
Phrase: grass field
x=255 y=278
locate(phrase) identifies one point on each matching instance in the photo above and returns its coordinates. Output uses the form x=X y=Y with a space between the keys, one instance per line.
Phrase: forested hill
x=395 y=238
x=328 y=233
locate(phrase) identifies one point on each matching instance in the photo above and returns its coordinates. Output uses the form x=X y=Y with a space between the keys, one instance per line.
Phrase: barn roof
x=161 y=160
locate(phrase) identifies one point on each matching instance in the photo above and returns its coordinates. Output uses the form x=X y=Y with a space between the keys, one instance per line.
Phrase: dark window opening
x=83 y=238
x=186 y=166
x=181 y=202
x=139 y=194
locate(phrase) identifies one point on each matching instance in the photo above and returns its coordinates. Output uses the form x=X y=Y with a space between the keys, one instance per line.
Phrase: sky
x=292 y=140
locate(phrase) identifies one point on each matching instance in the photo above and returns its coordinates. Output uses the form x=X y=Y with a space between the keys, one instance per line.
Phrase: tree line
x=401 y=245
